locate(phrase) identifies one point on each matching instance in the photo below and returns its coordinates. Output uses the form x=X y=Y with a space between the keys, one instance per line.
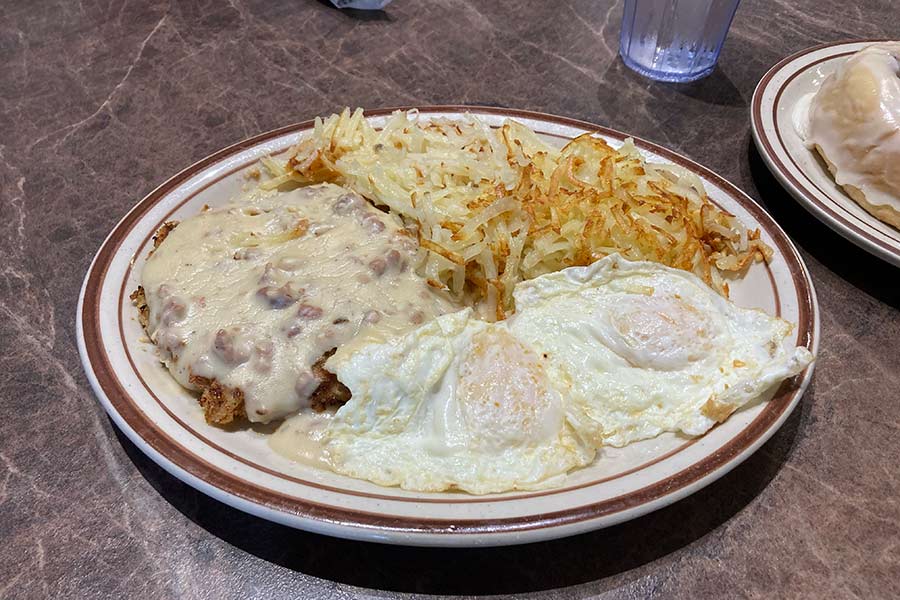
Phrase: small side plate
x=780 y=95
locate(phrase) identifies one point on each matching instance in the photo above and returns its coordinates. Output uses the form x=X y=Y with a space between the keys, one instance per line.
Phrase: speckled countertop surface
x=100 y=102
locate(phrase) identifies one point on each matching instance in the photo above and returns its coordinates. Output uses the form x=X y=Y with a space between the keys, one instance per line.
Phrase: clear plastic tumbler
x=674 y=40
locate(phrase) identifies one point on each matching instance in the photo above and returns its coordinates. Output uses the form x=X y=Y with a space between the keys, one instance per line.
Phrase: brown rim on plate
x=198 y=467
x=847 y=219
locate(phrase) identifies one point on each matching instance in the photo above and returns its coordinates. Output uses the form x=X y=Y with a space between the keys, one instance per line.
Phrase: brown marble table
x=102 y=101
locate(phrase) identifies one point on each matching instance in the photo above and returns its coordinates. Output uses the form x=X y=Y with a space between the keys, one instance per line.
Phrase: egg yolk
x=656 y=332
x=503 y=393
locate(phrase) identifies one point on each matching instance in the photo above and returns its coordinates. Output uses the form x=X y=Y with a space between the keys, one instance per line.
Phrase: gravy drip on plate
x=300 y=439
x=254 y=293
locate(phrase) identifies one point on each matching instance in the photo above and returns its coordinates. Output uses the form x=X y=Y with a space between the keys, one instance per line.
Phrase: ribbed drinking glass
x=674 y=40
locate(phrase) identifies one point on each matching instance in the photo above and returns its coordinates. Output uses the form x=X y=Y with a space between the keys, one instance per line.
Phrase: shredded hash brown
x=494 y=206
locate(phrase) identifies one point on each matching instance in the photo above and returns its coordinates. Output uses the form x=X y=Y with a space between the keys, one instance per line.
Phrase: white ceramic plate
x=238 y=468
x=800 y=170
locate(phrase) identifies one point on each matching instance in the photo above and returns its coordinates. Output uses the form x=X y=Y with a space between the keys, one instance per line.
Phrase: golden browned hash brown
x=139 y=299
x=221 y=404
x=330 y=392
x=162 y=232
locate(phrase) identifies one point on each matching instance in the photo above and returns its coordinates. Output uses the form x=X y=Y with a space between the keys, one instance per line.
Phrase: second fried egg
x=647 y=348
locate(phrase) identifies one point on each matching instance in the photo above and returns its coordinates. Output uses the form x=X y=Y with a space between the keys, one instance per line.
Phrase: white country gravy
x=253 y=293
x=300 y=439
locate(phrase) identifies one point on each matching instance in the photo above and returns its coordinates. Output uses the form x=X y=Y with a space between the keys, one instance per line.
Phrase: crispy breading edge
x=330 y=392
x=139 y=299
x=221 y=404
x=162 y=233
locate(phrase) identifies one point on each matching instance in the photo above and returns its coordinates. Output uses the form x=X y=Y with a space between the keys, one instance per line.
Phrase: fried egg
x=608 y=354
x=647 y=348
x=456 y=404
